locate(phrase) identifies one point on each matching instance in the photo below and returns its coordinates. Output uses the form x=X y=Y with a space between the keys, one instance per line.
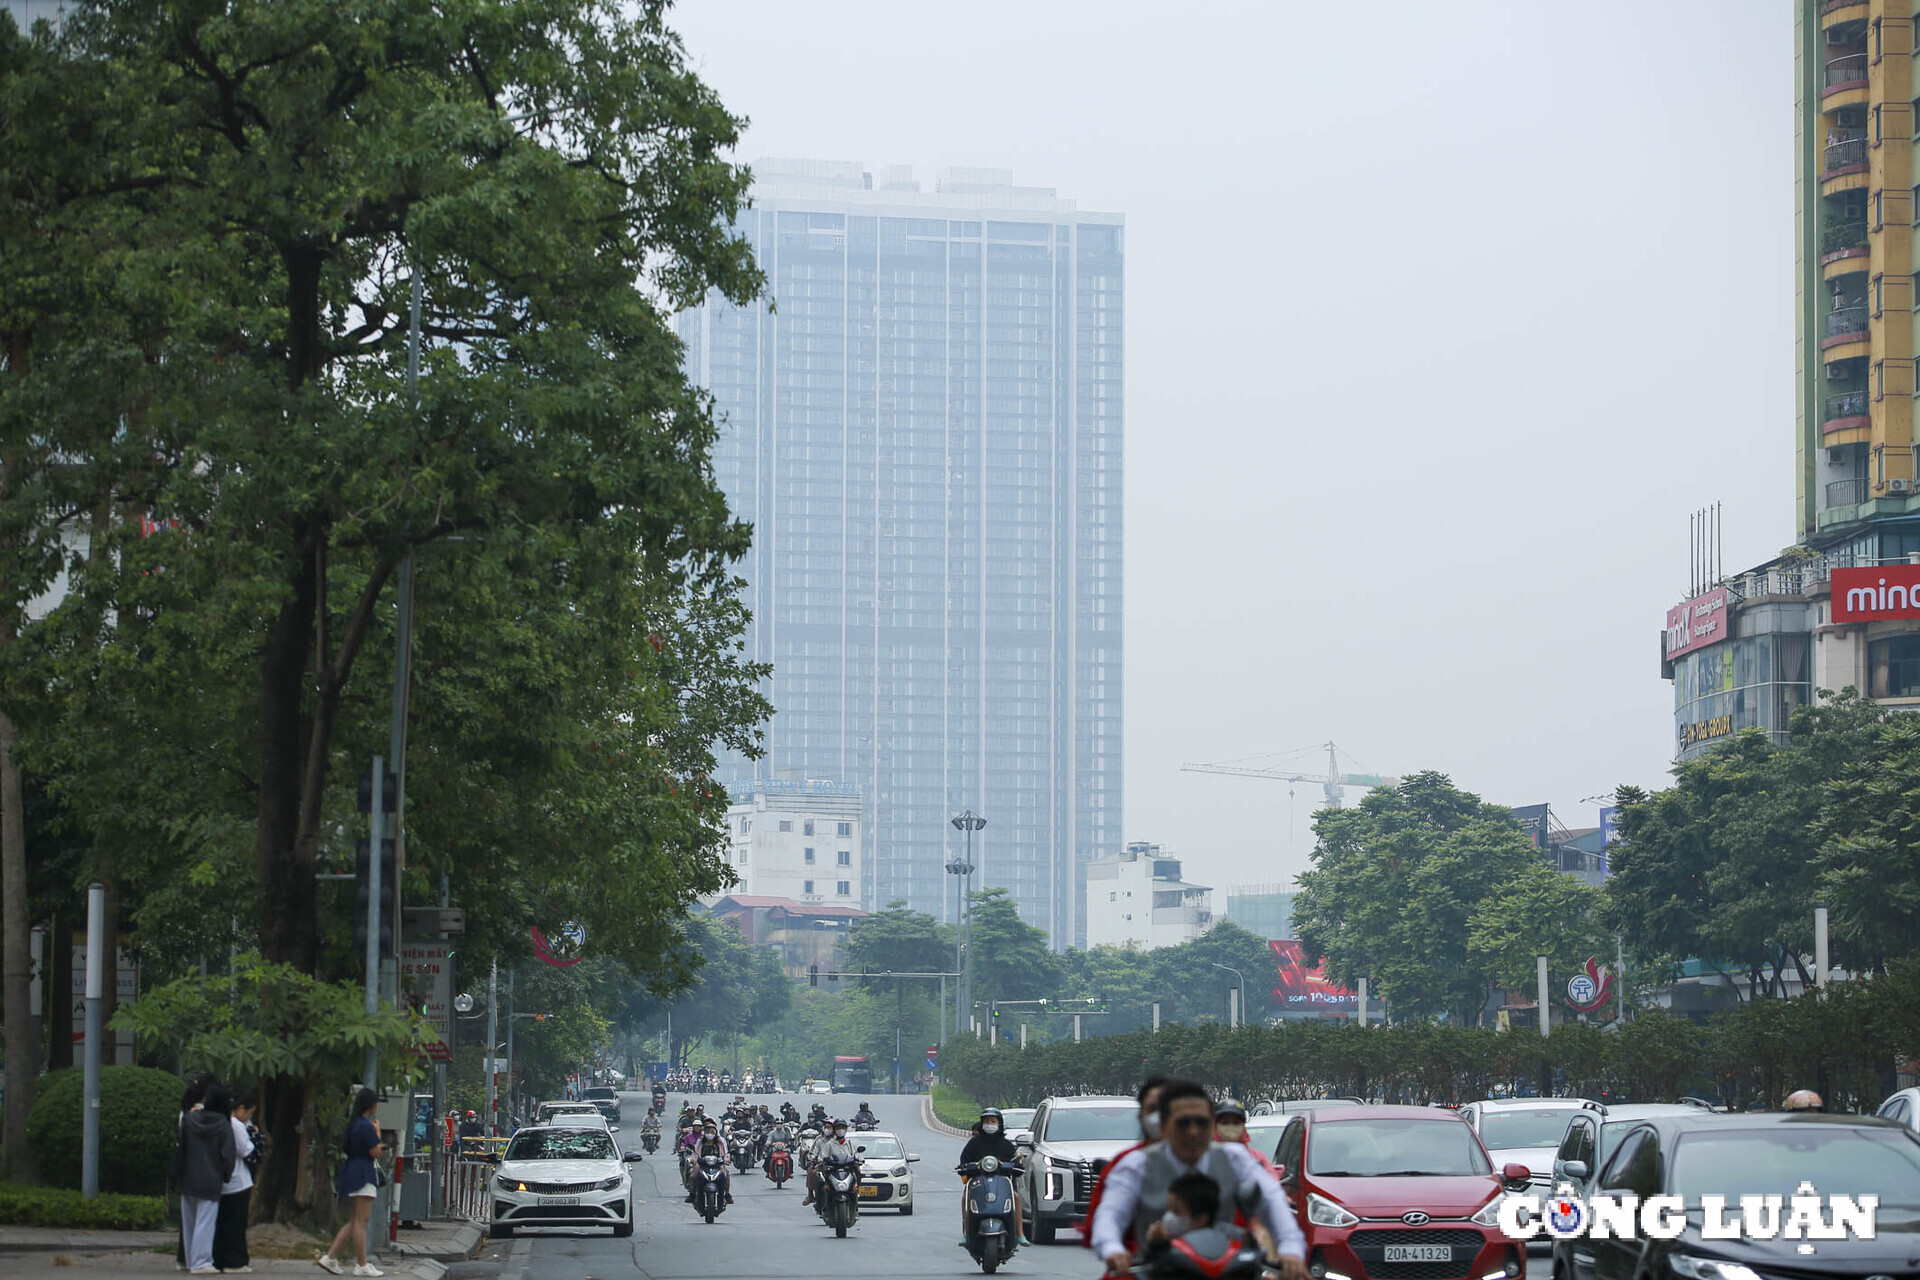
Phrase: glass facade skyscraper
x=925 y=432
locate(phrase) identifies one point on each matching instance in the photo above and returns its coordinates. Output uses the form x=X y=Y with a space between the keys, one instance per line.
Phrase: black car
x=606 y=1099
x=1770 y=1154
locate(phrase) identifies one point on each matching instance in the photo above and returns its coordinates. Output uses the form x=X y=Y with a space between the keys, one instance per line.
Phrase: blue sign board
x=1609 y=832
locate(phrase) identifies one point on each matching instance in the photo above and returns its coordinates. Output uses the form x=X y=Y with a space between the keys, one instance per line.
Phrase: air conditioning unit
x=1851 y=117
x=1899 y=486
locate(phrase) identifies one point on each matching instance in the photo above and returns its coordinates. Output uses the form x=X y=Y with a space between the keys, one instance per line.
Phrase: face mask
x=989 y=1129
x=1175 y=1224
x=1150 y=1126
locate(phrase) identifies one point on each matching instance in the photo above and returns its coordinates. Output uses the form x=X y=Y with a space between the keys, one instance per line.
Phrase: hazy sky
x=1441 y=317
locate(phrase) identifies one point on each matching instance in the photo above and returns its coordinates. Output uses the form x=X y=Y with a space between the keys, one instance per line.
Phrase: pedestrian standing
x=236 y=1197
x=206 y=1159
x=190 y=1101
x=357 y=1180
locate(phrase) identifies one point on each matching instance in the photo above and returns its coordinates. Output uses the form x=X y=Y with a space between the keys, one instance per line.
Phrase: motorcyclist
x=708 y=1142
x=832 y=1148
x=818 y=1116
x=789 y=1113
x=865 y=1116
x=1230 y=1125
x=651 y=1125
x=776 y=1133
x=990 y=1139
x=470 y=1128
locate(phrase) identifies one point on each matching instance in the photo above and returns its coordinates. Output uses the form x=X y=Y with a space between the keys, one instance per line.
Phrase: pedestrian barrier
x=467 y=1189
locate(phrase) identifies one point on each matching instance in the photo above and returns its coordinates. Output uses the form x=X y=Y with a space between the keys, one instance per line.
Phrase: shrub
x=139 y=1112
x=59 y=1207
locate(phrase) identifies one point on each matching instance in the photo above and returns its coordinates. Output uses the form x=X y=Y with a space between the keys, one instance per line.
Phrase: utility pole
x=376 y=878
x=90 y=1081
x=493 y=1046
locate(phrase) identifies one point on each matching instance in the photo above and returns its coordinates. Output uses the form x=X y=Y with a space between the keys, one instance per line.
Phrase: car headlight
x=898 y=1171
x=613 y=1183
x=506 y=1184
x=1695 y=1267
x=1489 y=1215
x=1322 y=1212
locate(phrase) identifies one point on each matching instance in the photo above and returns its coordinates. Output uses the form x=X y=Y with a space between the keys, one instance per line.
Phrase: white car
x=1524 y=1131
x=1018 y=1122
x=562 y=1177
x=1903 y=1108
x=885 y=1180
x=820 y=1086
x=548 y=1110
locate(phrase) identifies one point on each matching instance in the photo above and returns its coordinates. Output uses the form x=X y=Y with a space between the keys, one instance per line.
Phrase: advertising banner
x=1298 y=989
x=1533 y=820
x=1871 y=595
x=426 y=986
x=1697 y=623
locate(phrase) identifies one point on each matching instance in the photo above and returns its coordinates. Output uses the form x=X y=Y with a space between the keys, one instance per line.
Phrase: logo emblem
x=1565 y=1217
x=1419 y=1219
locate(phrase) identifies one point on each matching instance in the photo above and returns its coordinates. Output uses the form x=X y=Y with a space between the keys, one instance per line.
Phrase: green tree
x=269 y=181
x=1010 y=957
x=898 y=940
x=1190 y=987
x=1541 y=912
x=1394 y=887
x=1869 y=850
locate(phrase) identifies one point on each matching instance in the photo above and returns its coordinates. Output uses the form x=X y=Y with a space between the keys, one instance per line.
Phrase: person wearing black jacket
x=205 y=1160
x=990 y=1139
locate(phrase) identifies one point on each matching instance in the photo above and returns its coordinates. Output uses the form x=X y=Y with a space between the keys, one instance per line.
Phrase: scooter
x=708 y=1201
x=809 y=1138
x=838 y=1199
x=650 y=1140
x=1210 y=1253
x=779 y=1165
x=989 y=1211
x=740 y=1147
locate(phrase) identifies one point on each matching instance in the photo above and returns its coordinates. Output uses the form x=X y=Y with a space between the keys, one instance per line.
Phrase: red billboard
x=1870 y=595
x=1298 y=989
x=1697 y=623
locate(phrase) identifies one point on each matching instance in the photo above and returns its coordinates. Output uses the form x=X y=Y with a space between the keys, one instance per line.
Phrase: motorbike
x=989 y=1211
x=779 y=1164
x=1207 y=1255
x=707 y=1200
x=865 y=1126
x=838 y=1199
x=650 y=1140
x=809 y=1138
x=740 y=1147
x=659 y=1100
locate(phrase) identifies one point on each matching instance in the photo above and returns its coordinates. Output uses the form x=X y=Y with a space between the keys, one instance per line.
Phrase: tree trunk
x=22 y=1050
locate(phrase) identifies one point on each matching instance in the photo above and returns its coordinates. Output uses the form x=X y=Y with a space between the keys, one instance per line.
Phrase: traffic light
x=363 y=893
x=813 y=975
x=389 y=791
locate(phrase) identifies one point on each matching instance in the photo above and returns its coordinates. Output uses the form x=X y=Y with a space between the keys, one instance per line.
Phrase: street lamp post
x=968 y=822
x=958 y=869
x=1240 y=1008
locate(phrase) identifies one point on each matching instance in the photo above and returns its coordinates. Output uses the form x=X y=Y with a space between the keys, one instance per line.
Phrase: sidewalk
x=159 y=1266
x=441 y=1239
x=61 y=1240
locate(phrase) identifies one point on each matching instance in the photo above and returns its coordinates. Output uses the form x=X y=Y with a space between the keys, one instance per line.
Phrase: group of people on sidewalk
x=218 y=1152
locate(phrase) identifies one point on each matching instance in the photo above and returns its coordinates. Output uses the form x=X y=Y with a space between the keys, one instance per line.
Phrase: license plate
x=866 y=1192
x=559 y=1199
x=1418 y=1253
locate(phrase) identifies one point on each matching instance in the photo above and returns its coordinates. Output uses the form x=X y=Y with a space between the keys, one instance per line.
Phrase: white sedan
x=562 y=1177
x=885 y=1180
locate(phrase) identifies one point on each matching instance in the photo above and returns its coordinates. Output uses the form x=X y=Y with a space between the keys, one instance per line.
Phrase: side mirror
x=1576 y=1171
x=859 y=1151
x=1024 y=1140
x=1516 y=1176
x=633 y=1157
x=613 y=1128
x=911 y=1159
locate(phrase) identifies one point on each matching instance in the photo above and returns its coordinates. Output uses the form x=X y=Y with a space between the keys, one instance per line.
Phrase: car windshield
x=561 y=1144
x=874 y=1147
x=1836 y=1159
x=1391 y=1147
x=1118 y=1123
x=1530 y=1127
x=570 y=1109
x=1263 y=1133
x=1017 y=1117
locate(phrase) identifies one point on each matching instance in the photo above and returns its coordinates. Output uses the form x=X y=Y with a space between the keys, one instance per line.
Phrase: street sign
x=426 y=986
x=423 y=922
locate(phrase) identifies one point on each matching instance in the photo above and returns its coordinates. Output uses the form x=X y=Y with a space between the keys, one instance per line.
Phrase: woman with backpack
x=358 y=1180
x=204 y=1161
x=236 y=1197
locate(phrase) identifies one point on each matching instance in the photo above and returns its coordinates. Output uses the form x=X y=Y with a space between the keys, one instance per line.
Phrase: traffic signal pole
x=377 y=838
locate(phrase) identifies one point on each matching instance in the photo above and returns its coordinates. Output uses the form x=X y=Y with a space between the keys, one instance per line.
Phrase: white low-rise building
x=1139 y=899
x=798 y=840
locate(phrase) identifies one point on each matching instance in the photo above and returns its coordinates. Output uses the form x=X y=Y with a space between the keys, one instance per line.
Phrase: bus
x=851 y=1074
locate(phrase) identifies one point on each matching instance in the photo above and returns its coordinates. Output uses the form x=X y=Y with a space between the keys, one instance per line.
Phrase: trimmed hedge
x=59 y=1207
x=139 y=1109
x=954 y=1107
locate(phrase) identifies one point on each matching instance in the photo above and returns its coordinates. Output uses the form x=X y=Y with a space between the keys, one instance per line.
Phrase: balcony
x=1844 y=411
x=1839 y=237
x=1846 y=72
x=1847 y=493
x=1845 y=324
x=1846 y=151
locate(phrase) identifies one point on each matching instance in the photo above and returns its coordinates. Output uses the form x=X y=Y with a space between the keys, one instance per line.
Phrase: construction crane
x=1333 y=779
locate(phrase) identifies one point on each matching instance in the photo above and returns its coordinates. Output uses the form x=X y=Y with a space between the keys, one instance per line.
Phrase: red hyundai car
x=1397 y=1193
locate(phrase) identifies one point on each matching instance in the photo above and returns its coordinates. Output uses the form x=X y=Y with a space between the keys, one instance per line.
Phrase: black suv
x=1758 y=1154
x=603 y=1097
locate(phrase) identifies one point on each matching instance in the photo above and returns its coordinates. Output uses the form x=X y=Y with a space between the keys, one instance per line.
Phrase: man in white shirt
x=230 y=1227
x=1136 y=1184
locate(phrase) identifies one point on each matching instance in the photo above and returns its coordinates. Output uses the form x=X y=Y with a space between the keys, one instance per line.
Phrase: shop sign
x=1705 y=730
x=1872 y=594
x=1697 y=623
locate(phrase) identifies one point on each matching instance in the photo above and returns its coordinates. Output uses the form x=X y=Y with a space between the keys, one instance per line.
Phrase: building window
x=1893 y=667
x=809 y=857
x=806 y=886
x=846 y=889
x=845 y=858
x=844 y=829
x=786 y=824
x=809 y=827
x=1113 y=897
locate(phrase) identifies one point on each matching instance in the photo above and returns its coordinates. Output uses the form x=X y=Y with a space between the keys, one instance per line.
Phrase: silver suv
x=1071 y=1141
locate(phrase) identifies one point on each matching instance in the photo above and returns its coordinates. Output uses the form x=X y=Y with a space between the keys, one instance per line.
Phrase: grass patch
x=954 y=1107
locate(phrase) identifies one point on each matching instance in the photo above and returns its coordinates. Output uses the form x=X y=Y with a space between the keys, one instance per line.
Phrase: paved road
x=767 y=1234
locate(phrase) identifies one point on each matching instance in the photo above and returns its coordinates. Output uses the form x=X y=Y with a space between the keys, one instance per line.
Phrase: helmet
x=1803 y=1100
x=992 y=1111
x=1228 y=1109
x=473 y=1115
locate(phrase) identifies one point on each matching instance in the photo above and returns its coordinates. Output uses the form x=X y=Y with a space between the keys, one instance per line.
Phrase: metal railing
x=1846 y=320
x=1847 y=70
x=1836 y=236
x=467 y=1189
x=1846 y=404
x=1847 y=493
x=1797 y=579
x=1845 y=151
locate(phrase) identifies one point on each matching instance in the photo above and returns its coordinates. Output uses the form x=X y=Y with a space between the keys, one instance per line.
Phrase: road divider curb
x=935 y=1123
